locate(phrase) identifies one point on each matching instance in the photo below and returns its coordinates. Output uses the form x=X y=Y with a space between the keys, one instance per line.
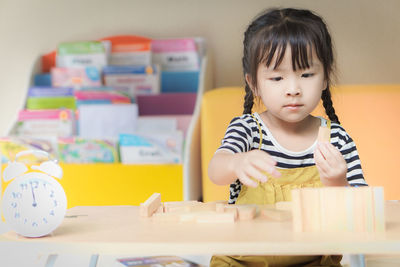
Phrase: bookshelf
x=130 y=184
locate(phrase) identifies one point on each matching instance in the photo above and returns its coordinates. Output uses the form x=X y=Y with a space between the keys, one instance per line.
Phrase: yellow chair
x=369 y=113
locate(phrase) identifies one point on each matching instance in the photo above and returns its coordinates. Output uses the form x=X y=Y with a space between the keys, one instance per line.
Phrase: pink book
x=48 y=114
x=173 y=45
x=102 y=95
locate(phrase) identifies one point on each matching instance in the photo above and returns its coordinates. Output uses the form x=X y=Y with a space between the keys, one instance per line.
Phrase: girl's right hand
x=252 y=165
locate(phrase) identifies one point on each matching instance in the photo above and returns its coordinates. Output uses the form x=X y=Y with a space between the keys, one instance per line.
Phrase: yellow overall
x=270 y=192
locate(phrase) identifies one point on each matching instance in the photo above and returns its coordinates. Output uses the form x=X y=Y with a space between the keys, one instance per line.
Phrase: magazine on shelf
x=151 y=148
x=81 y=54
x=138 y=80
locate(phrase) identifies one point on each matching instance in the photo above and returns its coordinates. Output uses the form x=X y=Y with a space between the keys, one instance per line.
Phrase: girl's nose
x=293 y=90
x=293 y=87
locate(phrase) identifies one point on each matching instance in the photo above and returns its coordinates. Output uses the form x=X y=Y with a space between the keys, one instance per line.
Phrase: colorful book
x=81 y=54
x=151 y=148
x=53 y=122
x=76 y=77
x=106 y=121
x=42 y=79
x=129 y=50
x=176 y=54
x=138 y=80
x=180 y=81
x=101 y=96
x=82 y=150
x=39 y=103
x=46 y=91
x=164 y=123
x=166 y=104
x=11 y=145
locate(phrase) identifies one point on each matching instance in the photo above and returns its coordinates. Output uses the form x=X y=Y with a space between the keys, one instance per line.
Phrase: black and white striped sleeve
x=238 y=136
x=347 y=147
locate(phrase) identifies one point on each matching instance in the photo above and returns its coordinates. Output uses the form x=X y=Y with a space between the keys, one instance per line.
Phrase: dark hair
x=272 y=31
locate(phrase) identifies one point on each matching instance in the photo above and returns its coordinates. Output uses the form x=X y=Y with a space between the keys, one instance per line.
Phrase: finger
x=265 y=157
x=266 y=167
x=336 y=152
x=320 y=161
x=325 y=151
x=256 y=174
x=322 y=173
x=246 y=180
x=336 y=157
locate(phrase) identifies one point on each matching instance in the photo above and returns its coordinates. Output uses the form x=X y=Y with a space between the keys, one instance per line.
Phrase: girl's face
x=289 y=95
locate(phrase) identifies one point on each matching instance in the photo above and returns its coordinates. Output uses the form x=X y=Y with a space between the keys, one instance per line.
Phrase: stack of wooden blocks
x=326 y=209
x=338 y=209
x=195 y=211
x=211 y=212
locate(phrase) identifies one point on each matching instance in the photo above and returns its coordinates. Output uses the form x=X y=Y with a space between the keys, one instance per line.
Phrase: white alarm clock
x=34 y=203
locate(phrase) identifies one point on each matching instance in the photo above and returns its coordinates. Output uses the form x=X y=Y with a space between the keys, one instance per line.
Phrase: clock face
x=34 y=204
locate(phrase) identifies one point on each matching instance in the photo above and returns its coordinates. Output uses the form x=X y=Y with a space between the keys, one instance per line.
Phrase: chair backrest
x=369 y=113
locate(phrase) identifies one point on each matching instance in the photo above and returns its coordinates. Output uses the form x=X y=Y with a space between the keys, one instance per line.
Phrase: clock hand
x=33 y=195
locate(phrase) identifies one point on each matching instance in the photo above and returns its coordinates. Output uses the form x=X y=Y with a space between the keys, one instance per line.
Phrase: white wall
x=366 y=34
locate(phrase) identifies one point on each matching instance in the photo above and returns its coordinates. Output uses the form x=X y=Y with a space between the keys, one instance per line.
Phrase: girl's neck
x=293 y=136
x=289 y=127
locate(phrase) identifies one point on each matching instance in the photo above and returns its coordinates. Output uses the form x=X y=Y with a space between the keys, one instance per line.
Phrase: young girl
x=287 y=63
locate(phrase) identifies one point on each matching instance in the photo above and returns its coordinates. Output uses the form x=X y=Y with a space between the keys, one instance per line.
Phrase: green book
x=51 y=102
x=73 y=48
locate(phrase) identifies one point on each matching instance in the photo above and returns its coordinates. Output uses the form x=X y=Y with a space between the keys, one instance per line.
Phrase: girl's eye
x=307 y=75
x=276 y=79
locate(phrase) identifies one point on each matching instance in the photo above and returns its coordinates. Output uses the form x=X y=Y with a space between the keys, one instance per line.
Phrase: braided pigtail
x=328 y=105
x=248 y=100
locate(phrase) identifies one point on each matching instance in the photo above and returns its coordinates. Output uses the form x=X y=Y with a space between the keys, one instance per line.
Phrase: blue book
x=179 y=81
x=42 y=79
x=142 y=69
x=93 y=102
x=45 y=91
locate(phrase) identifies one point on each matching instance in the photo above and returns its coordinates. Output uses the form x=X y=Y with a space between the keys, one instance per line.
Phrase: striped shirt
x=243 y=135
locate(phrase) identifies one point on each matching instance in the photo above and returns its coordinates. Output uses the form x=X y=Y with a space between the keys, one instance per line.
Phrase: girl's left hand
x=331 y=165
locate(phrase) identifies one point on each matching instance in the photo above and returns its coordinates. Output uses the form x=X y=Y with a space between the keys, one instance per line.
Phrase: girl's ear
x=250 y=84
x=325 y=85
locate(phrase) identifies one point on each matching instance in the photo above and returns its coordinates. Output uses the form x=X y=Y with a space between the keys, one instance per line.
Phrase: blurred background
x=366 y=35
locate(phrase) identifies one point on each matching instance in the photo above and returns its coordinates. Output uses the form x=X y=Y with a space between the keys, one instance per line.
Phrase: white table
x=116 y=230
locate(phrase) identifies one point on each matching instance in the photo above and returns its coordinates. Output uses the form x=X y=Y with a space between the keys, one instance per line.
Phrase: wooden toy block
x=379 y=212
x=150 y=205
x=175 y=206
x=208 y=206
x=276 y=215
x=160 y=209
x=350 y=209
x=215 y=217
x=333 y=212
x=180 y=203
x=369 y=209
x=297 y=210
x=220 y=207
x=359 y=210
x=246 y=212
x=174 y=209
x=324 y=134
x=231 y=209
x=338 y=209
x=310 y=214
x=166 y=217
